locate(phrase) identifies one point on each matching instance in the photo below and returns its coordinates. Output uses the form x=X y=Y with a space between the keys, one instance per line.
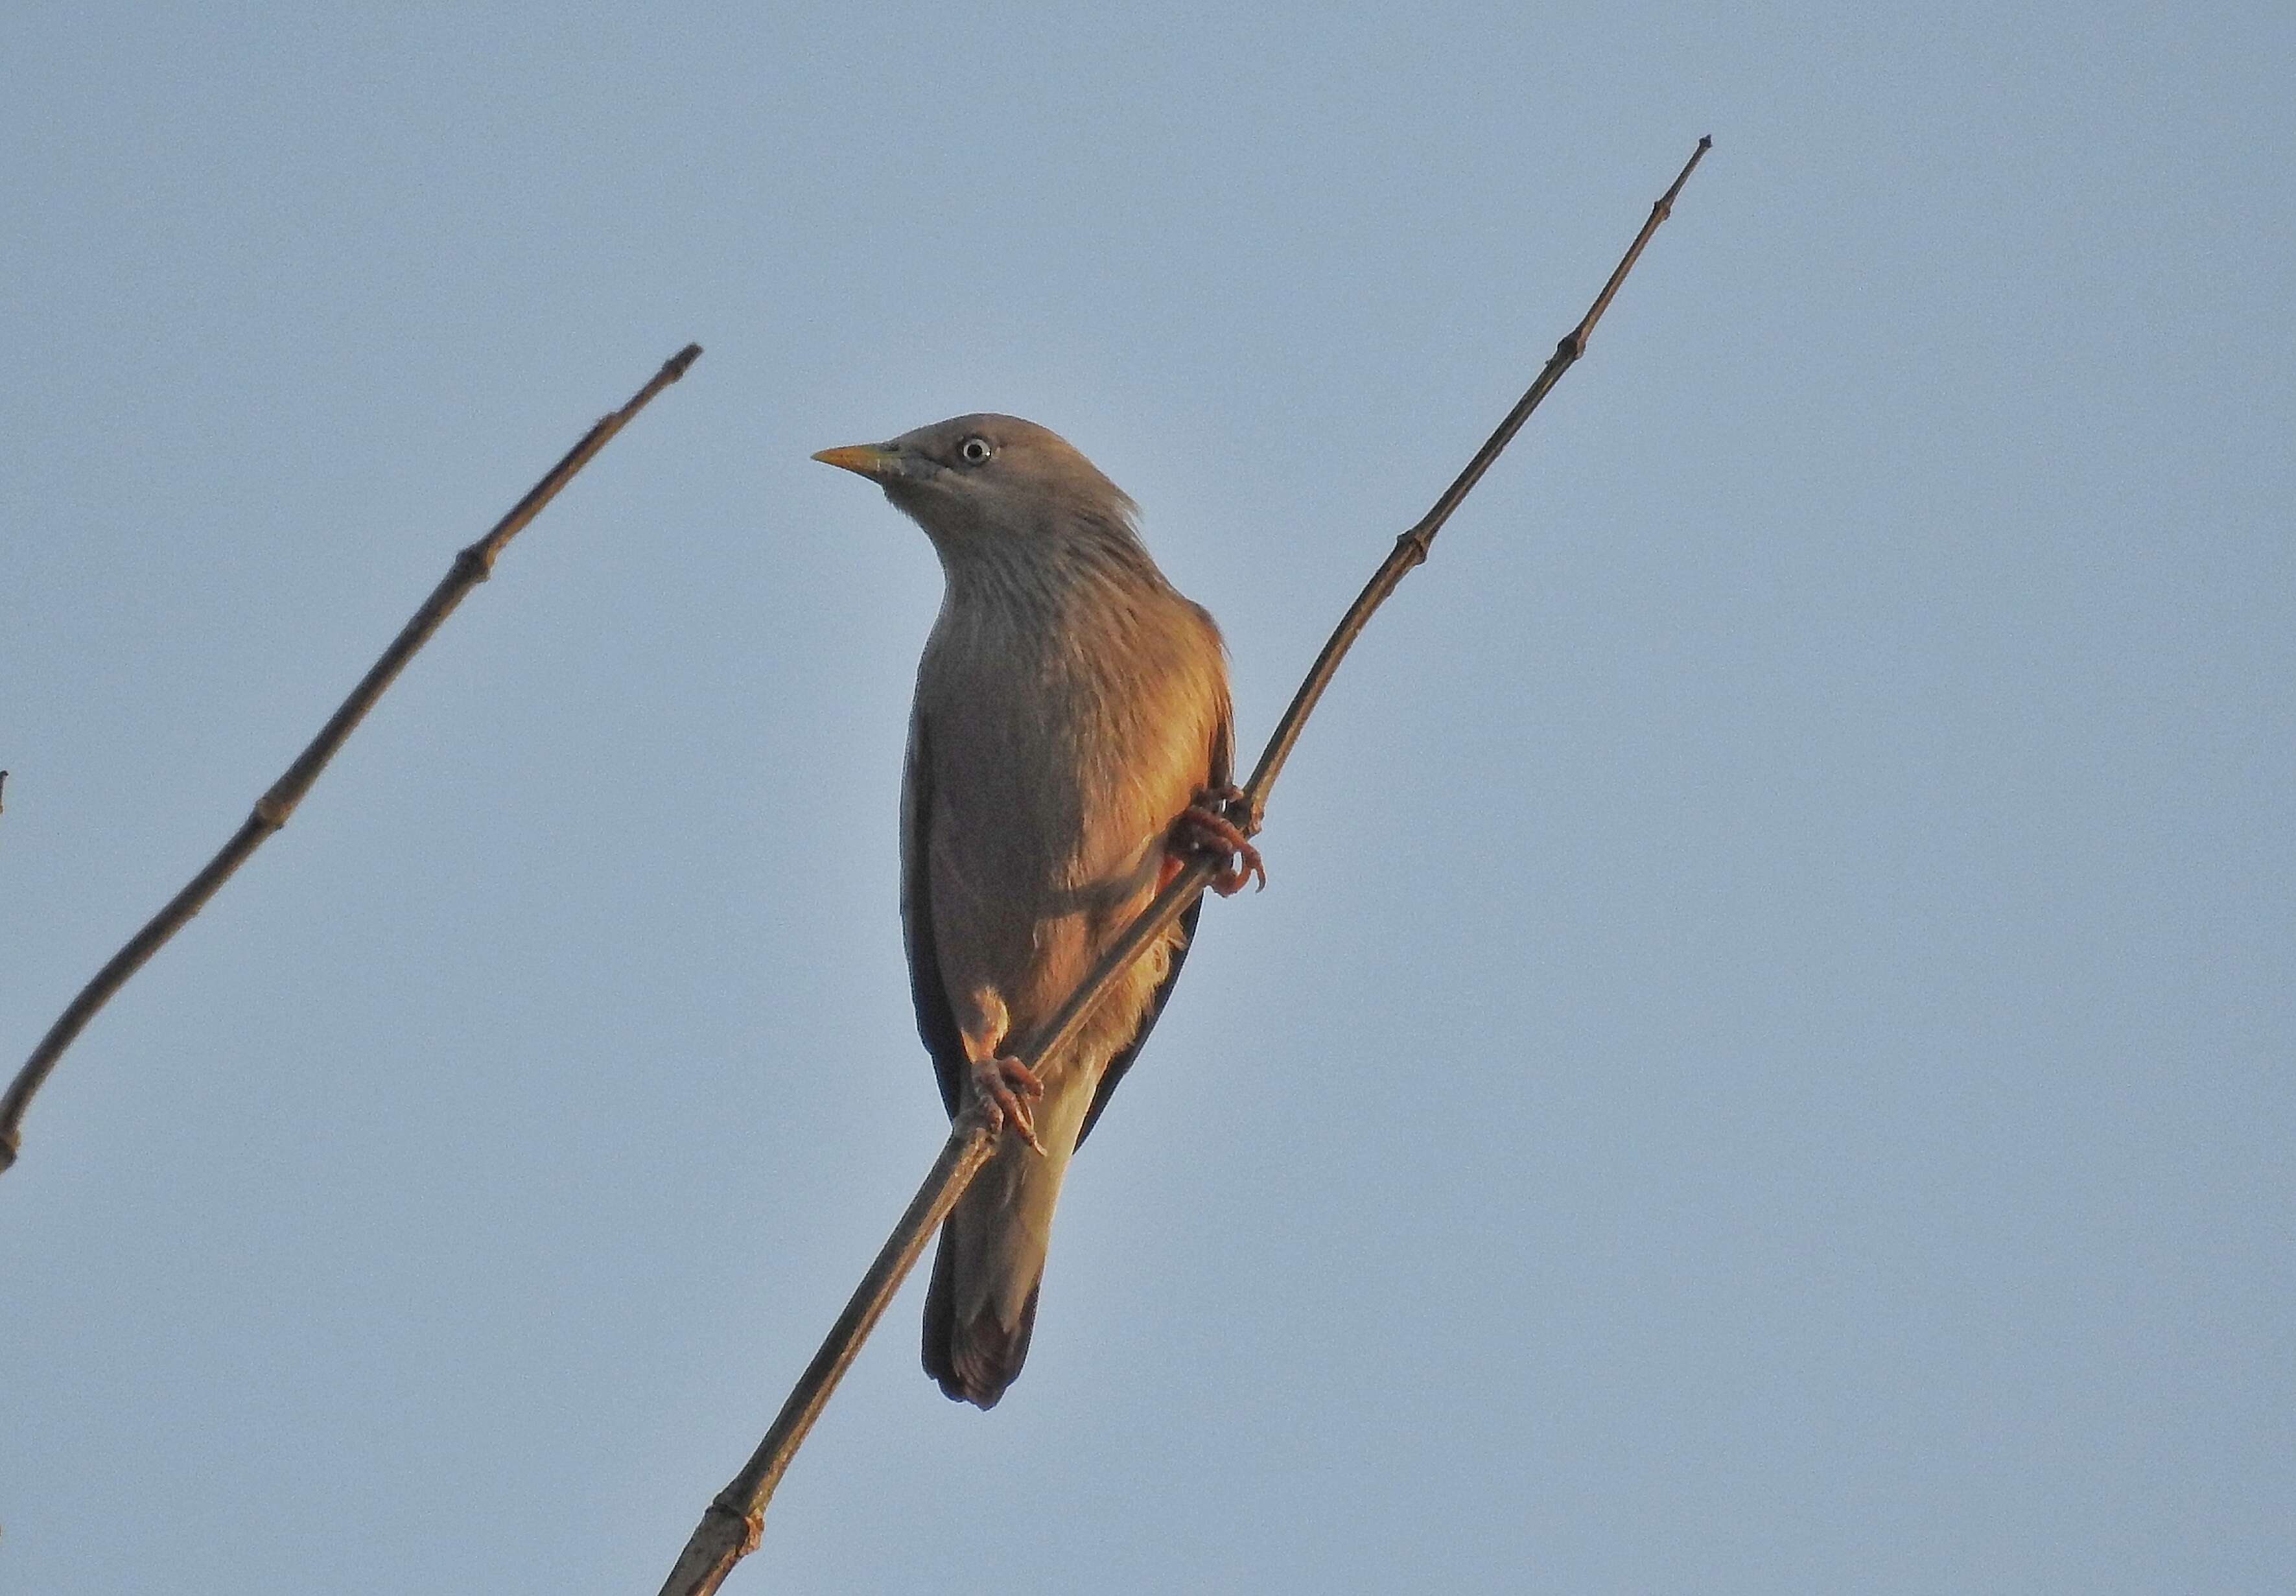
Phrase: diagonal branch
x=472 y=567
x=731 y=1525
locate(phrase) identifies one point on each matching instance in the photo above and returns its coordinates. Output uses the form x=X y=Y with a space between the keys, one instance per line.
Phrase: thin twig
x=730 y=1527
x=472 y=567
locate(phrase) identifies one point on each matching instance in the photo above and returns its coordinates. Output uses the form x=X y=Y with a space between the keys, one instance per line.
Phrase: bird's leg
x=1209 y=825
x=1003 y=1084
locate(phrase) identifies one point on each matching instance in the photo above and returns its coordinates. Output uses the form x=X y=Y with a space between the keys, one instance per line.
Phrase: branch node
x=752 y=1525
x=1247 y=814
x=476 y=563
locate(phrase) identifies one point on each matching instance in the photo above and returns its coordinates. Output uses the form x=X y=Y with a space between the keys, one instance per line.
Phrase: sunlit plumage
x=1071 y=707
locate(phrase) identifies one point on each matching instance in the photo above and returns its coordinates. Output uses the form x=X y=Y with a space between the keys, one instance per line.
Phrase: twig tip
x=680 y=362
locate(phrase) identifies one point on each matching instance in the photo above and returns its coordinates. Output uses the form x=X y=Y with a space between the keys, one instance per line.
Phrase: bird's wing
x=1223 y=762
x=936 y=1020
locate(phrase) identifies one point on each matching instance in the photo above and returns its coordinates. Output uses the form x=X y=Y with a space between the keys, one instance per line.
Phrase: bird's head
x=992 y=486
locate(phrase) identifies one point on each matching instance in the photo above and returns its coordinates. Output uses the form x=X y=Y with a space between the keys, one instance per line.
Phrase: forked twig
x=731 y=1525
x=472 y=567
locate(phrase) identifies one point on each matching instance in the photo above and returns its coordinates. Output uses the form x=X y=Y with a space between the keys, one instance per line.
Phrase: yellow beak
x=873 y=461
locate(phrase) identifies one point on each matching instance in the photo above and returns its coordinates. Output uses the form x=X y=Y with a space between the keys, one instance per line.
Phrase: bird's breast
x=1064 y=742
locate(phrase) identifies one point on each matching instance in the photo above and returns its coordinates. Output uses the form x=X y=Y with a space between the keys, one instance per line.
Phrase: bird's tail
x=975 y=1362
x=990 y=1260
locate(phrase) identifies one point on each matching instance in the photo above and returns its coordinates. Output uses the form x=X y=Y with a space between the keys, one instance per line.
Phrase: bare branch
x=730 y=1528
x=472 y=567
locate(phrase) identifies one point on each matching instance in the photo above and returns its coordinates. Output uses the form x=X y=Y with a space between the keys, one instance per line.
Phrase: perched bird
x=1069 y=746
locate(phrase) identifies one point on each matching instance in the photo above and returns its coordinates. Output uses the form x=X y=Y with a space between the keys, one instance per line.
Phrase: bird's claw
x=1002 y=1086
x=1207 y=826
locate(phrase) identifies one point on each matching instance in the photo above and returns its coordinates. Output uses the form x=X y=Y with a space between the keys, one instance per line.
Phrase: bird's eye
x=975 y=450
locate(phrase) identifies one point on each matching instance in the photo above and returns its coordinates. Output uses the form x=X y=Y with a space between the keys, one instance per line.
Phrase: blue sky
x=1765 y=1063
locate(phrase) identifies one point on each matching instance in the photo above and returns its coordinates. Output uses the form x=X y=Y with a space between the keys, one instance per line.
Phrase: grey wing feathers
x=936 y=1020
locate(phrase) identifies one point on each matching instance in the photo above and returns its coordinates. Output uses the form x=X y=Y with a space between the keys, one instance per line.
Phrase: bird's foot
x=1211 y=825
x=1005 y=1086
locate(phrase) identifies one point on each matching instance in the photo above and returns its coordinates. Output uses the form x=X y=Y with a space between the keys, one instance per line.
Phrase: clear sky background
x=1766 y=1063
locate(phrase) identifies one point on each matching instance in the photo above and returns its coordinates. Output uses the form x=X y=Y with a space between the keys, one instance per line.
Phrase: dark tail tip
x=979 y=1363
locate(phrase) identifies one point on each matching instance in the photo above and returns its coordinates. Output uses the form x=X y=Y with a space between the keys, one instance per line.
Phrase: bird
x=1070 y=746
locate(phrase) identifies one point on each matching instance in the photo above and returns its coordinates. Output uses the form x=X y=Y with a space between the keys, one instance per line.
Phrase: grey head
x=995 y=488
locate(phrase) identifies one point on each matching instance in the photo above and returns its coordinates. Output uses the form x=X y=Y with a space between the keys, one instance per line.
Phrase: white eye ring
x=975 y=450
